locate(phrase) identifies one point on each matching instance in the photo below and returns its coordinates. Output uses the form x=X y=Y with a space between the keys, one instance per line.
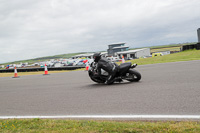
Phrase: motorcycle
x=125 y=71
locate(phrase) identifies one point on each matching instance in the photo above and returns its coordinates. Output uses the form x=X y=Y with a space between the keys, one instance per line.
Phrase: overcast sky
x=36 y=28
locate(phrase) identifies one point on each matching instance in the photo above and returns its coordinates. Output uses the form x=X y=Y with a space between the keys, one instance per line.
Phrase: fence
x=41 y=69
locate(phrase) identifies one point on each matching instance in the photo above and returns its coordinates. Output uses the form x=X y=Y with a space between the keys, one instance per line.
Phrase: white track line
x=197 y=117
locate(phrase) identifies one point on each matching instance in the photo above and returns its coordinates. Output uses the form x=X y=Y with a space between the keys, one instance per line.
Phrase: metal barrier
x=41 y=69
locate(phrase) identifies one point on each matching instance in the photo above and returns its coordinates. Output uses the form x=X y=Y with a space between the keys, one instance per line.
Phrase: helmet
x=97 y=57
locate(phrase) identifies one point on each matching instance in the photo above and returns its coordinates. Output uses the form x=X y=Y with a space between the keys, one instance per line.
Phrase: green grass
x=166 y=49
x=181 y=56
x=166 y=46
x=84 y=126
x=171 y=45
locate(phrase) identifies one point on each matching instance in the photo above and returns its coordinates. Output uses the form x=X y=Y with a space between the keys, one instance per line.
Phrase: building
x=198 y=34
x=117 y=47
x=137 y=53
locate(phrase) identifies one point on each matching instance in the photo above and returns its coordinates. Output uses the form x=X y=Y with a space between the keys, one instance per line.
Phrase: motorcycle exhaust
x=134 y=65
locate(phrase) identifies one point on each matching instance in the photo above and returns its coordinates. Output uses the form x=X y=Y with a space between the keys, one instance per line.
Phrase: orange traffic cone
x=15 y=75
x=45 y=70
x=87 y=66
x=123 y=61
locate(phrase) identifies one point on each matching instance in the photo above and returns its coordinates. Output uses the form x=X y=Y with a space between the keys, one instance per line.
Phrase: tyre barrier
x=41 y=69
x=192 y=46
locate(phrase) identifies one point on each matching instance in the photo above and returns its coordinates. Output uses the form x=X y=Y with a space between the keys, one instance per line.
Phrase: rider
x=106 y=65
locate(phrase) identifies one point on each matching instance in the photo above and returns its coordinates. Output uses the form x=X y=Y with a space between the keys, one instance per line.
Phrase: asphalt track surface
x=165 y=89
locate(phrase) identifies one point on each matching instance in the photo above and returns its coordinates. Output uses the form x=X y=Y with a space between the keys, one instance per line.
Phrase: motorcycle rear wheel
x=134 y=75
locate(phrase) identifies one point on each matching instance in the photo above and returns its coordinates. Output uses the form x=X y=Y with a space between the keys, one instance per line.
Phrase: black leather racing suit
x=109 y=67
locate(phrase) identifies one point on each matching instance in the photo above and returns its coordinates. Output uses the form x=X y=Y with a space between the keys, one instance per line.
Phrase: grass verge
x=181 y=56
x=84 y=126
x=166 y=49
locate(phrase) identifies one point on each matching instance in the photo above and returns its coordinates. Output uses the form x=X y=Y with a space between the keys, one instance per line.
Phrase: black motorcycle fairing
x=96 y=78
x=124 y=67
x=124 y=71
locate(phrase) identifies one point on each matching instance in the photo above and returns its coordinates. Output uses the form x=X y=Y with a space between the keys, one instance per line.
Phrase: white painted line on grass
x=106 y=117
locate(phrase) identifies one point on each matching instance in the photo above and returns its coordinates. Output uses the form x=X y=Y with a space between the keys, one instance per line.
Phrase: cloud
x=35 y=28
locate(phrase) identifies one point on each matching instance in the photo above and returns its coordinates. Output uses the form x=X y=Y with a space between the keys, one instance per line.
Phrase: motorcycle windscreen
x=124 y=67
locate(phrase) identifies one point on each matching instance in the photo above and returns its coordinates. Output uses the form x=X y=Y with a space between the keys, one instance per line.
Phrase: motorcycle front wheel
x=133 y=75
x=95 y=79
